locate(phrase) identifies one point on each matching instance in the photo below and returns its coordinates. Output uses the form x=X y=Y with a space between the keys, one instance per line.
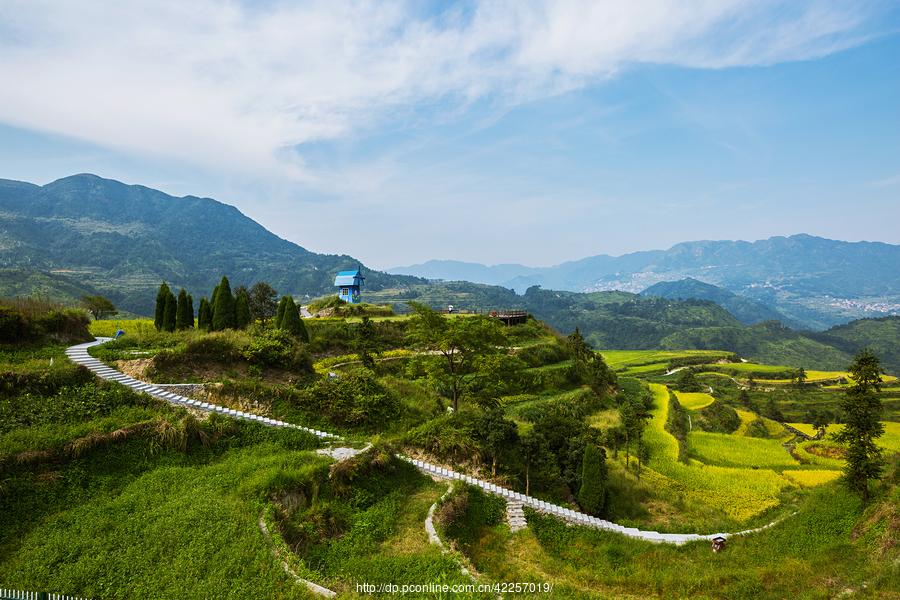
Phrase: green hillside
x=124 y=239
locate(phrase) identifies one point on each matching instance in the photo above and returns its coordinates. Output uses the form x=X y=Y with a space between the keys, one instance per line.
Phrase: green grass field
x=618 y=359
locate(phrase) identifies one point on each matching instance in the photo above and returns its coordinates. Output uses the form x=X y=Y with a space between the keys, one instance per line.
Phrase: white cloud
x=235 y=87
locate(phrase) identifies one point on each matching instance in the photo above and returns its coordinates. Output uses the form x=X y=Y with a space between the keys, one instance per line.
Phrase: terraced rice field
x=618 y=359
x=890 y=441
x=694 y=400
x=739 y=493
x=811 y=477
x=736 y=451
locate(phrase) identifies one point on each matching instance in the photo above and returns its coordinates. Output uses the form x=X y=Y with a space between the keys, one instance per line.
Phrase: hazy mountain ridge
x=811 y=280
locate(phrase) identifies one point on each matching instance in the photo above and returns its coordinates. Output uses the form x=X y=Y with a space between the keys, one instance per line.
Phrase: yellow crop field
x=108 y=327
x=737 y=451
x=694 y=400
x=810 y=478
x=739 y=493
x=890 y=441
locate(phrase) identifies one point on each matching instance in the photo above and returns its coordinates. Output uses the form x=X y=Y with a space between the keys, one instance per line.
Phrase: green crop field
x=739 y=451
x=618 y=359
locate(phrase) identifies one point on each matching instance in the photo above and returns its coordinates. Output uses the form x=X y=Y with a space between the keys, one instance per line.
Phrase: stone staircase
x=515 y=516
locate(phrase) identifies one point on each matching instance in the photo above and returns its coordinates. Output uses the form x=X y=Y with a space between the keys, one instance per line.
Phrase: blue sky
x=493 y=132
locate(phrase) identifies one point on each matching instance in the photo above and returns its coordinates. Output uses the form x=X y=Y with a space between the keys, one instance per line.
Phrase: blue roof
x=348 y=278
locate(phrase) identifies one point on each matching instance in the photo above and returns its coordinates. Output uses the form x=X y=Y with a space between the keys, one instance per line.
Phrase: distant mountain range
x=808 y=280
x=84 y=234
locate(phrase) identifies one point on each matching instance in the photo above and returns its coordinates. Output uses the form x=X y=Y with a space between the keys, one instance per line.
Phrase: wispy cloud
x=239 y=87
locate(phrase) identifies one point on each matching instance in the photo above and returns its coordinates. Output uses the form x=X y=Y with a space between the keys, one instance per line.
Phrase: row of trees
x=227 y=310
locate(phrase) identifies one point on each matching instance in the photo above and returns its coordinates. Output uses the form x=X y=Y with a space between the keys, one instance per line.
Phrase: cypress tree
x=242 y=308
x=190 y=311
x=170 y=312
x=291 y=321
x=592 y=494
x=862 y=424
x=183 y=318
x=279 y=312
x=212 y=304
x=223 y=308
x=159 y=313
x=204 y=315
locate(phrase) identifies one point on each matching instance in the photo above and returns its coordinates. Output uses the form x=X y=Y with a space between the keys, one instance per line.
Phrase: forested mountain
x=95 y=233
x=746 y=310
x=811 y=280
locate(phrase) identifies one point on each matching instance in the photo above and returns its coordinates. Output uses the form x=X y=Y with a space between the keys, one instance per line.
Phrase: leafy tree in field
x=800 y=377
x=588 y=367
x=536 y=455
x=279 y=311
x=366 y=343
x=223 y=307
x=493 y=376
x=204 y=315
x=862 y=425
x=291 y=321
x=170 y=313
x=242 y=315
x=819 y=419
x=159 y=314
x=263 y=301
x=633 y=415
x=98 y=306
x=688 y=382
x=495 y=435
x=746 y=401
x=592 y=494
x=184 y=312
x=458 y=342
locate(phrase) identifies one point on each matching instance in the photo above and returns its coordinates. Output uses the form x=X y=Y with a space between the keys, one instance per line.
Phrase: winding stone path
x=79 y=354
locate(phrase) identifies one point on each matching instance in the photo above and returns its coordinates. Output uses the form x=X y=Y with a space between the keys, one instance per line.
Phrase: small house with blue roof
x=348 y=284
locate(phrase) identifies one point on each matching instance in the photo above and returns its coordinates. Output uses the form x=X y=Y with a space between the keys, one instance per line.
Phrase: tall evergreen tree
x=191 y=313
x=862 y=424
x=170 y=312
x=212 y=304
x=242 y=308
x=159 y=313
x=223 y=308
x=291 y=321
x=279 y=312
x=184 y=316
x=592 y=494
x=204 y=315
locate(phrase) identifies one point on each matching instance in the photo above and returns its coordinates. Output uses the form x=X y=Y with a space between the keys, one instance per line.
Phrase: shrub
x=27 y=320
x=354 y=399
x=276 y=348
x=719 y=418
x=677 y=425
x=465 y=511
x=543 y=354
x=592 y=494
